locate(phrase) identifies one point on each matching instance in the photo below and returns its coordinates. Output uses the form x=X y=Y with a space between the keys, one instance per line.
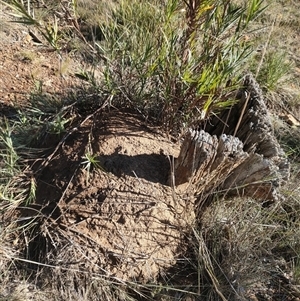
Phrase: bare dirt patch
x=27 y=67
x=121 y=219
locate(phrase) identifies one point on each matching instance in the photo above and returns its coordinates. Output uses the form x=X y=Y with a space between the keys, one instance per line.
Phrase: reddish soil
x=26 y=66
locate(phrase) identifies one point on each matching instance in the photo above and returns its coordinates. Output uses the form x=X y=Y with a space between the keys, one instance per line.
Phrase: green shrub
x=179 y=60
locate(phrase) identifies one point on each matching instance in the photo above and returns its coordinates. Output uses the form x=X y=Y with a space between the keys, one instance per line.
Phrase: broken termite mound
x=125 y=220
x=234 y=153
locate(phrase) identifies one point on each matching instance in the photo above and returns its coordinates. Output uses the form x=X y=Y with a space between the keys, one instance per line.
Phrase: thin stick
x=265 y=49
x=242 y=113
